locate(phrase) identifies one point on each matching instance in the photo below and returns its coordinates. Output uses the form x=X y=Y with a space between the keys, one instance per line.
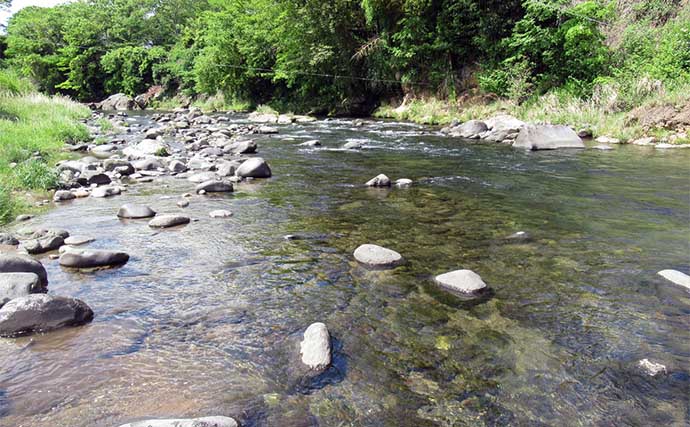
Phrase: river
x=205 y=319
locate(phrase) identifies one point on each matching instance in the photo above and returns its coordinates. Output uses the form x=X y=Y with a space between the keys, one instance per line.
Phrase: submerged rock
x=19 y=264
x=651 y=368
x=316 y=347
x=92 y=258
x=192 y=422
x=379 y=181
x=166 y=221
x=15 y=285
x=255 y=167
x=377 y=256
x=41 y=313
x=677 y=277
x=465 y=282
x=135 y=211
x=214 y=186
x=547 y=137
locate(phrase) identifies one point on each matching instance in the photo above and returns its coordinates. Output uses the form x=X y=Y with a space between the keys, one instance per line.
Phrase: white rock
x=220 y=213
x=403 y=183
x=466 y=282
x=607 y=140
x=676 y=277
x=379 y=181
x=650 y=368
x=195 y=422
x=377 y=256
x=316 y=347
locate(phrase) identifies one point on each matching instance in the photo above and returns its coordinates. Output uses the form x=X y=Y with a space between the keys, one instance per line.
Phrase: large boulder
x=379 y=181
x=119 y=101
x=257 y=117
x=19 y=264
x=166 y=221
x=15 y=285
x=464 y=282
x=41 y=246
x=195 y=422
x=547 y=137
x=315 y=348
x=92 y=258
x=470 y=129
x=502 y=128
x=131 y=211
x=255 y=167
x=41 y=313
x=377 y=256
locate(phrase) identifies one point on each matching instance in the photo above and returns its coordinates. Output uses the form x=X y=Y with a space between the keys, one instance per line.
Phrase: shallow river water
x=206 y=319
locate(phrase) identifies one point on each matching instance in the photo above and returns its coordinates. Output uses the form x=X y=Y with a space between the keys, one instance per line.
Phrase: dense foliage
x=344 y=55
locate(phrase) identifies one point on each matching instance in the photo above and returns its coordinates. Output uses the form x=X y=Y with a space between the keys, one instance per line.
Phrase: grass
x=33 y=129
x=603 y=113
x=206 y=104
x=105 y=125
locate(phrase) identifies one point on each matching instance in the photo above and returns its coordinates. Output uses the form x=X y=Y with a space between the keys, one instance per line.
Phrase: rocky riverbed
x=331 y=272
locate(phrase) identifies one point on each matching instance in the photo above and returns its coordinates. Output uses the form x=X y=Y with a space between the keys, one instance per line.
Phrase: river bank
x=215 y=308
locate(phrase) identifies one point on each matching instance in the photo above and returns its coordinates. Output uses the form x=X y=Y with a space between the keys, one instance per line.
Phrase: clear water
x=206 y=319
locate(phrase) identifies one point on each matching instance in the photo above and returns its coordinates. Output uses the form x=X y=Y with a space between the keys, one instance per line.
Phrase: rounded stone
x=92 y=258
x=214 y=187
x=18 y=264
x=135 y=211
x=15 y=285
x=220 y=213
x=315 y=348
x=465 y=282
x=255 y=167
x=377 y=256
x=41 y=313
x=165 y=221
x=379 y=181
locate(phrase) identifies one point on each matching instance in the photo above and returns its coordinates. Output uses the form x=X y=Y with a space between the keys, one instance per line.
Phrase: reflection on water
x=206 y=319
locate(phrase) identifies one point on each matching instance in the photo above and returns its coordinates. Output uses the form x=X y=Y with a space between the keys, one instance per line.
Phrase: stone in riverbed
x=547 y=137
x=177 y=166
x=214 y=187
x=192 y=422
x=353 y=145
x=470 y=129
x=220 y=213
x=19 y=264
x=202 y=177
x=8 y=239
x=183 y=203
x=379 y=181
x=403 y=183
x=166 y=221
x=41 y=246
x=651 y=368
x=15 y=285
x=92 y=177
x=41 y=313
x=92 y=258
x=311 y=143
x=135 y=211
x=102 y=192
x=677 y=277
x=256 y=167
x=63 y=195
x=316 y=347
x=465 y=282
x=78 y=240
x=377 y=256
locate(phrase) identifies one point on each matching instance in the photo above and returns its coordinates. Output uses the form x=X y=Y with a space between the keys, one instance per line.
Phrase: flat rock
x=677 y=277
x=165 y=221
x=220 y=213
x=41 y=313
x=379 y=181
x=92 y=258
x=256 y=167
x=547 y=137
x=377 y=256
x=214 y=186
x=465 y=282
x=78 y=240
x=311 y=143
x=19 y=264
x=135 y=211
x=315 y=348
x=191 y=422
x=15 y=285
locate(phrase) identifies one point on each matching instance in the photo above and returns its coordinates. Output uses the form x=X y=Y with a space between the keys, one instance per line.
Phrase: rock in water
x=650 y=368
x=220 y=213
x=214 y=187
x=195 y=422
x=255 y=167
x=379 y=181
x=92 y=258
x=316 y=347
x=470 y=129
x=465 y=282
x=403 y=183
x=63 y=195
x=41 y=313
x=675 y=276
x=165 y=221
x=547 y=137
x=41 y=246
x=15 y=285
x=377 y=256
x=8 y=239
x=18 y=264
x=135 y=211
x=353 y=145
